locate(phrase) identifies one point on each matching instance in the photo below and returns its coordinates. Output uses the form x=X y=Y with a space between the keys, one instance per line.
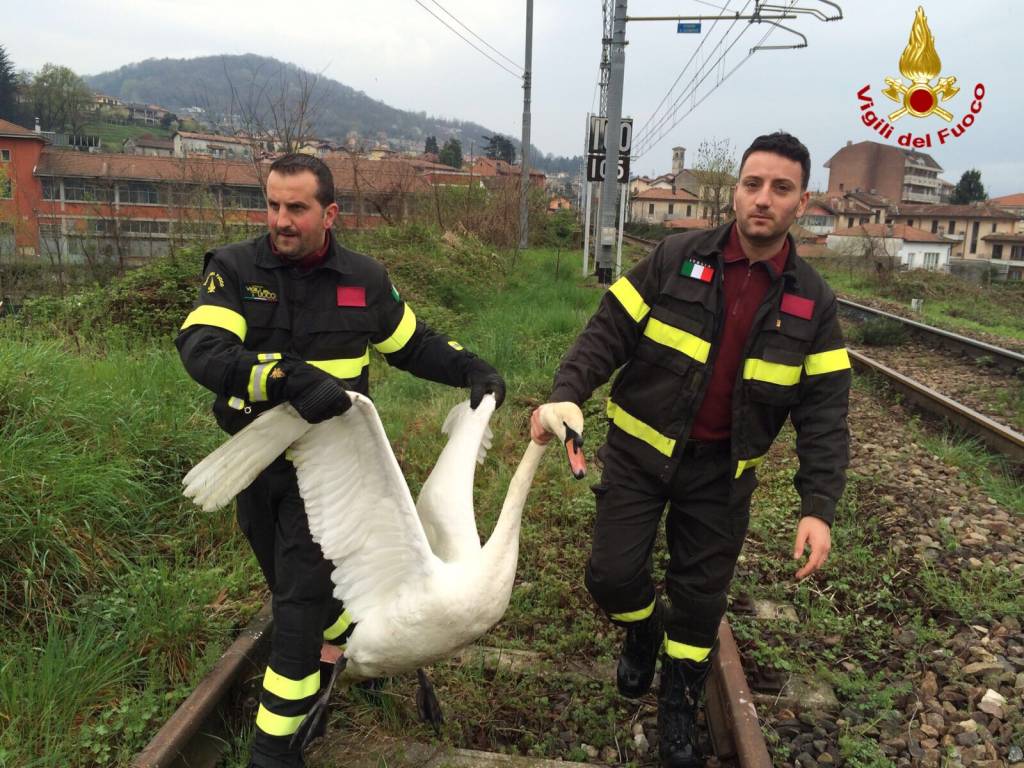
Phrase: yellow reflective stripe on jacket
x=236 y=402
x=630 y=299
x=258 y=376
x=218 y=317
x=293 y=690
x=337 y=629
x=343 y=367
x=744 y=464
x=773 y=373
x=402 y=333
x=827 y=362
x=640 y=615
x=277 y=725
x=678 y=339
x=641 y=431
x=683 y=651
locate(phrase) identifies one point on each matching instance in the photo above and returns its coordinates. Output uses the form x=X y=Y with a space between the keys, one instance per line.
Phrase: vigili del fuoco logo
x=920 y=98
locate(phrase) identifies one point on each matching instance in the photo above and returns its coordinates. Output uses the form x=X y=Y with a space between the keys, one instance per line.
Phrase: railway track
x=194 y=736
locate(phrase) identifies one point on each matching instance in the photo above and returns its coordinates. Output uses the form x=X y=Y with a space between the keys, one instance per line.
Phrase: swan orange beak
x=574 y=450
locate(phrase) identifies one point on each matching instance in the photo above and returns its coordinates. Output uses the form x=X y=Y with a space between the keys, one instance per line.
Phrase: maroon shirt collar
x=309 y=261
x=734 y=252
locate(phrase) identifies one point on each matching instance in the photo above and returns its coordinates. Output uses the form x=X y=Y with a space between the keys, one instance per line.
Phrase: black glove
x=315 y=394
x=481 y=378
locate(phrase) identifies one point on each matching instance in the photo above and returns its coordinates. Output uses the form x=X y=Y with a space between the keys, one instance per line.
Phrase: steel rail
x=997 y=437
x=1005 y=358
x=192 y=738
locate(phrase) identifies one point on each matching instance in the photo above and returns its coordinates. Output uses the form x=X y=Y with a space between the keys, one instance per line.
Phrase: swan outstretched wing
x=359 y=508
x=445 y=504
x=218 y=478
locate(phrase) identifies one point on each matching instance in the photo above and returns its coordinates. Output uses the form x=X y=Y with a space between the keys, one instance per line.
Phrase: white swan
x=414 y=578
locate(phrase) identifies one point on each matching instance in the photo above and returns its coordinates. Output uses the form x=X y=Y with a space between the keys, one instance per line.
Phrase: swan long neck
x=504 y=539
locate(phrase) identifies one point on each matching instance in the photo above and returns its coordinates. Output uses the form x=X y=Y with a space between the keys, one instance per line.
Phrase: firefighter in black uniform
x=289 y=316
x=721 y=335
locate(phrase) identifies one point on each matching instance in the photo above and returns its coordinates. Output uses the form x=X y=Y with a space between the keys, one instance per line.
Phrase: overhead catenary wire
x=517 y=75
x=649 y=143
x=458 y=21
x=655 y=121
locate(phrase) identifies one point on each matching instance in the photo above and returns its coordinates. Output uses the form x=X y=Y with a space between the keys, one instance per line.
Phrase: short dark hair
x=297 y=162
x=787 y=145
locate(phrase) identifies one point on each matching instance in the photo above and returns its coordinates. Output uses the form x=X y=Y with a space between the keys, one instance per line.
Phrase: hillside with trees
x=234 y=89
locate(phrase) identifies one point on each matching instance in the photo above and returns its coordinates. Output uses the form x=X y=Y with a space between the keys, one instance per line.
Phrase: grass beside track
x=116 y=596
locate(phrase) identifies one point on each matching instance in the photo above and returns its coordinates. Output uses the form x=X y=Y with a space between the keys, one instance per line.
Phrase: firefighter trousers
x=272 y=516
x=706 y=523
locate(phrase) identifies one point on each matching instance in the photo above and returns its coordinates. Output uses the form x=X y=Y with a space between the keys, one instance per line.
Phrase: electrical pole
x=609 y=200
x=525 y=150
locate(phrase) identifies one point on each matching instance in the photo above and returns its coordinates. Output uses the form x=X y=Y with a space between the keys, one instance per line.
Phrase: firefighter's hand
x=314 y=393
x=816 y=534
x=483 y=379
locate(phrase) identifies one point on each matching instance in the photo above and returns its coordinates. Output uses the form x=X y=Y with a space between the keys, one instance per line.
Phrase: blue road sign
x=686 y=27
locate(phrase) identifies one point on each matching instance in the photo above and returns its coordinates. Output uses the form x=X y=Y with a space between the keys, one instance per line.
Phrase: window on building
x=144 y=227
x=849 y=221
x=952 y=227
x=143 y=193
x=249 y=198
x=1017 y=253
x=997 y=251
x=993 y=226
x=877 y=215
x=910 y=222
x=5 y=155
x=935 y=225
x=79 y=190
x=6 y=188
x=931 y=260
x=51 y=188
x=650 y=209
x=689 y=211
x=671 y=207
x=347 y=204
x=974 y=237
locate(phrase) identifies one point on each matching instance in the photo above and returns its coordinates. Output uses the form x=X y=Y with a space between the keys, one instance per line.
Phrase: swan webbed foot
x=308 y=728
x=427 y=704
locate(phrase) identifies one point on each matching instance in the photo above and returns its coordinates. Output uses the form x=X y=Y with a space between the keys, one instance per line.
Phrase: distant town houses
x=684 y=198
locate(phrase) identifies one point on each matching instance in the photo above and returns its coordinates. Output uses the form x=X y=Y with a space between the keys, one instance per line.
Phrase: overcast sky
x=395 y=51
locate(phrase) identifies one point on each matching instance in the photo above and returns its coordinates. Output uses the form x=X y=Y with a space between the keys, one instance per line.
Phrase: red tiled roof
x=217 y=137
x=666 y=194
x=8 y=128
x=1005 y=237
x=1009 y=201
x=687 y=224
x=901 y=231
x=969 y=211
x=374 y=176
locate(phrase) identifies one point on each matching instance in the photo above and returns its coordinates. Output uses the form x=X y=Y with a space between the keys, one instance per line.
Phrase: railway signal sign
x=597 y=156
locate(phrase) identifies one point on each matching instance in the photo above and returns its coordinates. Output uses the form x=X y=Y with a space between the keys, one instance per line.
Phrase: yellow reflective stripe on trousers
x=640 y=615
x=277 y=725
x=827 y=362
x=678 y=339
x=683 y=651
x=236 y=402
x=293 y=690
x=402 y=334
x=258 y=376
x=773 y=373
x=343 y=367
x=641 y=431
x=744 y=464
x=218 y=317
x=337 y=629
x=630 y=299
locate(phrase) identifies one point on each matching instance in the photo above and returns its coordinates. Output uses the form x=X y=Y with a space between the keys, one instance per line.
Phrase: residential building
x=898 y=244
x=80 y=206
x=488 y=167
x=965 y=225
x=1007 y=248
x=657 y=206
x=898 y=174
x=189 y=143
x=148 y=145
x=1012 y=203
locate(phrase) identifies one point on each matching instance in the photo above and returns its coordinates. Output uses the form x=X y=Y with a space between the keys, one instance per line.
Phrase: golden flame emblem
x=920 y=64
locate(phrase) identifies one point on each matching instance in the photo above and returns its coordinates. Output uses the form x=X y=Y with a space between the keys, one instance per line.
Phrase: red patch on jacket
x=351 y=296
x=797 y=306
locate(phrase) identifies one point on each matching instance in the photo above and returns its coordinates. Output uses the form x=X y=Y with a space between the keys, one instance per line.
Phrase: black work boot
x=682 y=682
x=640 y=654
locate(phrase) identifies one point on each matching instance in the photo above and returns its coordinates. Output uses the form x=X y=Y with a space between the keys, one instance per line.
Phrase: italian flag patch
x=701 y=272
